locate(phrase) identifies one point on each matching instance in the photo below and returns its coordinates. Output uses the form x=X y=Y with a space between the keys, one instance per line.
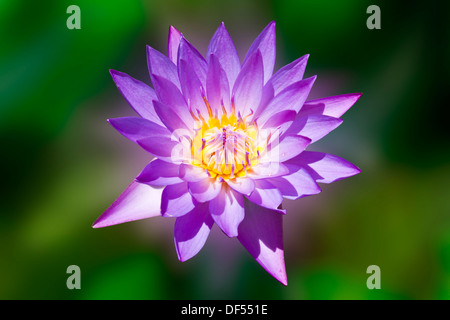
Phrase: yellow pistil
x=225 y=146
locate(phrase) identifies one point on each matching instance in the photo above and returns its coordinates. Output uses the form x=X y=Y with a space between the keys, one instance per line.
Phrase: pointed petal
x=268 y=170
x=324 y=167
x=170 y=118
x=248 y=86
x=205 y=190
x=334 y=106
x=134 y=128
x=191 y=231
x=244 y=185
x=265 y=43
x=281 y=120
x=314 y=126
x=266 y=194
x=289 y=147
x=291 y=98
x=138 y=201
x=159 y=173
x=223 y=48
x=192 y=173
x=173 y=44
x=194 y=59
x=192 y=87
x=161 y=66
x=262 y=235
x=138 y=95
x=297 y=184
x=217 y=87
x=227 y=210
x=287 y=75
x=171 y=96
x=176 y=200
x=161 y=147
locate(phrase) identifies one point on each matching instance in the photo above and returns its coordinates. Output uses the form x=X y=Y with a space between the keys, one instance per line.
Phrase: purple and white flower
x=229 y=141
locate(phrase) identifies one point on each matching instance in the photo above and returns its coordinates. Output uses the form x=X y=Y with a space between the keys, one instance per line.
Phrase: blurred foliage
x=62 y=165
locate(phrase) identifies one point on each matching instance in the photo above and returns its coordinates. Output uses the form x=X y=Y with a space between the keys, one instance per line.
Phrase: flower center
x=225 y=146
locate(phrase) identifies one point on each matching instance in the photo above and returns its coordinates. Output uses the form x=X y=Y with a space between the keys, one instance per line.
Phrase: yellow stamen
x=226 y=147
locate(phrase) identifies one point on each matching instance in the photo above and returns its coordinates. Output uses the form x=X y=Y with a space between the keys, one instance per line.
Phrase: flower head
x=229 y=143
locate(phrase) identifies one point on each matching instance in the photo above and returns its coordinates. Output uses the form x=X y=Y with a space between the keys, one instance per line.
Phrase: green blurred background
x=62 y=165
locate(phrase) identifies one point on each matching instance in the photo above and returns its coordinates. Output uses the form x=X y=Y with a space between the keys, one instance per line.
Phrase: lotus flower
x=229 y=141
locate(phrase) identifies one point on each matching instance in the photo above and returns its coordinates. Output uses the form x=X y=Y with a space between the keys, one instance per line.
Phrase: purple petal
x=191 y=173
x=138 y=95
x=291 y=98
x=227 y=210
x=266 y=194
x=265 y=43
x=314 y=126
x=283 y=78
x=334 y=106
x=161 y=66
x=223 y=48
x=192 y=87
x=191 y=232
x=262 y=235
x=267 y=170
x=176 y=200
x=135 y=128
x=248 y=86
x=194 y=59
x=325 y=168
x=138 y=201
x=205 y=190
x=173 y=44
x=287 y=148
x=170 y=118
x=159 y=173
x=171 y=96
x=243 y=185
x=297 y=184
x=161 y=147
x=288 y=75
x=217 y=87
x=282 y=120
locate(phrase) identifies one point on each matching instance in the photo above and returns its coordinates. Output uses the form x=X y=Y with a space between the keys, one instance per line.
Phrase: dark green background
x=62 y=165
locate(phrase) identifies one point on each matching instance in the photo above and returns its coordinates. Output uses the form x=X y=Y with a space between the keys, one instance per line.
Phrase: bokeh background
x=62 y=165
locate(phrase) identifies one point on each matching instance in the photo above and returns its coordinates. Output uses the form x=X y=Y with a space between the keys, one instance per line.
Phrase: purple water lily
x=229 y=142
